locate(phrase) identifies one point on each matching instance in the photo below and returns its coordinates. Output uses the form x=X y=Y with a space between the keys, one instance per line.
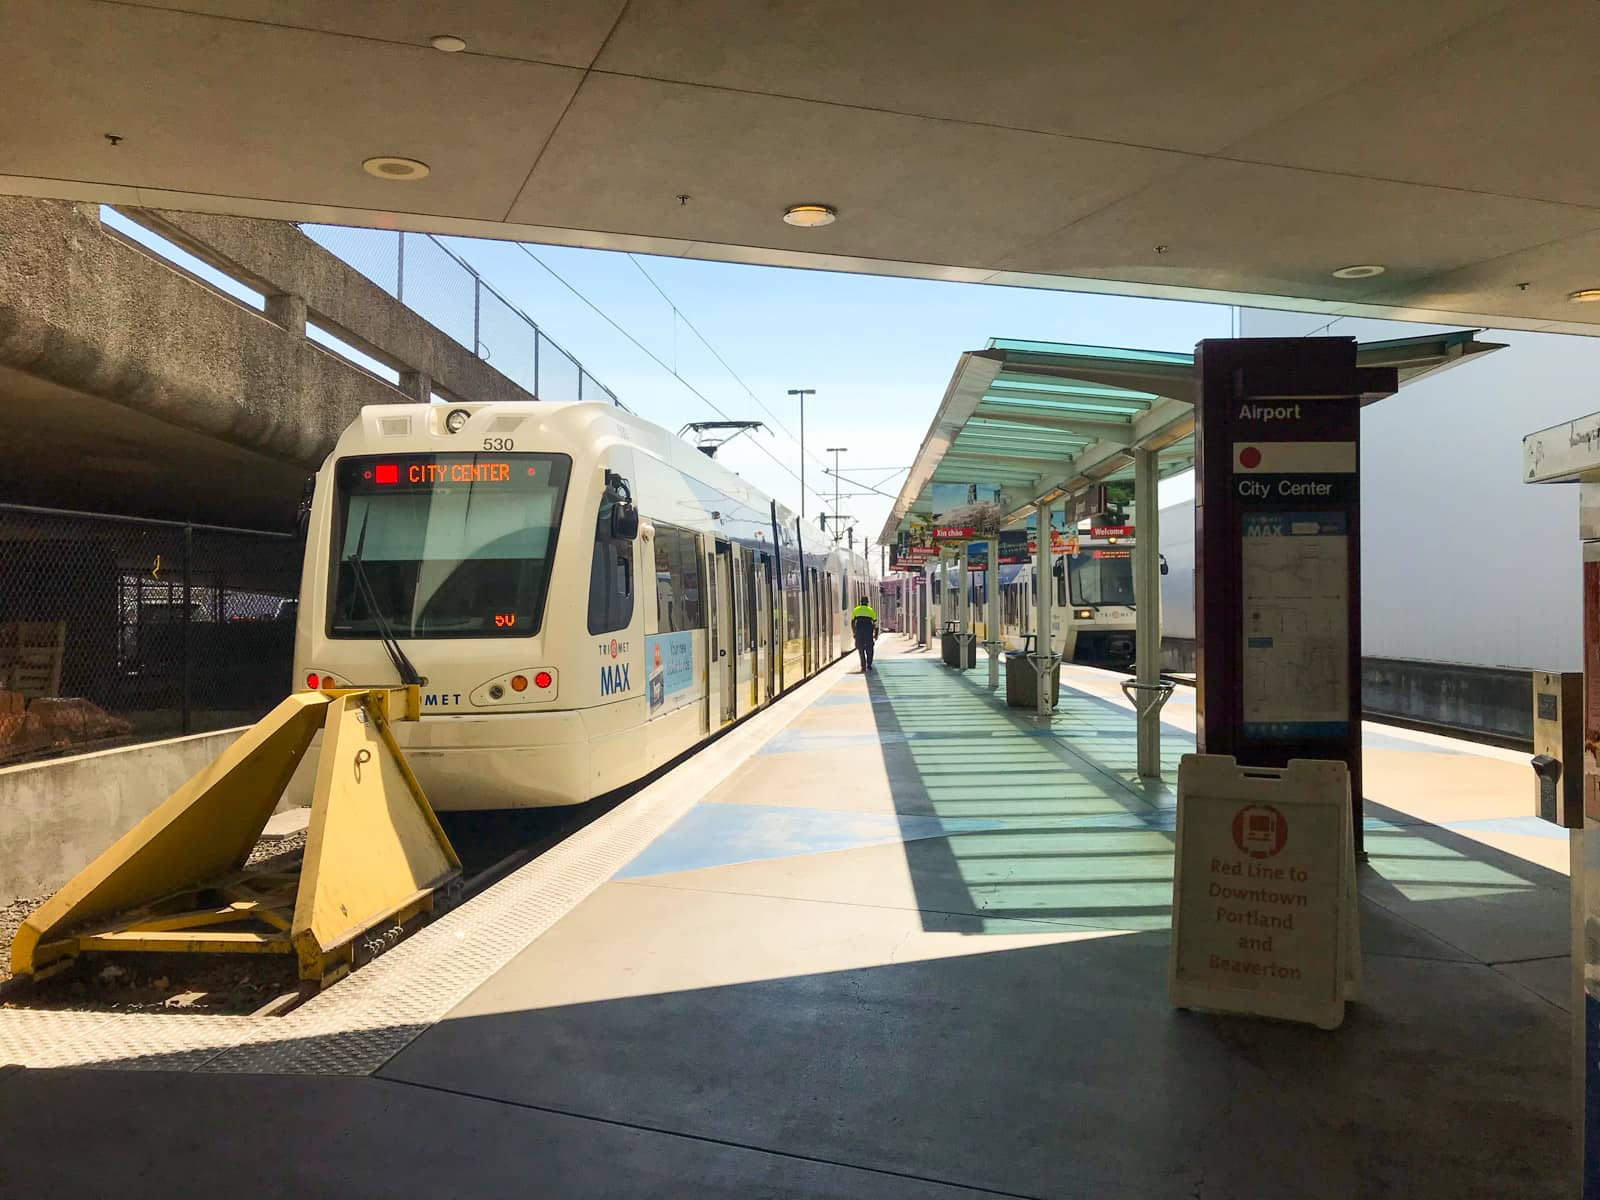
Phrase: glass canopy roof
x=1046 y=419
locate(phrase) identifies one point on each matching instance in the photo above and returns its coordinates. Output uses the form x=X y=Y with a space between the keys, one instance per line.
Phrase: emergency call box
x=1558 y=747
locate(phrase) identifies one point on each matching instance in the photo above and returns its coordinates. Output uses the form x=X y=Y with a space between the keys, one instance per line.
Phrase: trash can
x=960 y=650
x=1022 y=680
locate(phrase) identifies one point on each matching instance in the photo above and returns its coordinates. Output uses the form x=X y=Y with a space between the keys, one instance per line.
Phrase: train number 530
x=499 y=444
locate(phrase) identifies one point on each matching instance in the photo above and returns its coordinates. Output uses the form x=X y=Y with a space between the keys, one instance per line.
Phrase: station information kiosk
x=1278 y=550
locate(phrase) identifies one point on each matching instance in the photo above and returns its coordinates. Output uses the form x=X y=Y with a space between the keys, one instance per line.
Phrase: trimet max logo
x=612 y=649
x=613 y=679
x=1259 y=830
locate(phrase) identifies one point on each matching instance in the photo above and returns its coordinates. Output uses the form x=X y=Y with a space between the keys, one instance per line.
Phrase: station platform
x=888 y=939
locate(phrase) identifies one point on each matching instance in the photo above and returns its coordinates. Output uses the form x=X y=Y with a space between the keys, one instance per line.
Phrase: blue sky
x=879 y=351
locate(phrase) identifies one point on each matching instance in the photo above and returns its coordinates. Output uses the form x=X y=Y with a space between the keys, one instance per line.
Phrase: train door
x=766 y=629
x=830 y=612
x=815 y=606
x=749 y=623
x=808 y=624
x=724 y=654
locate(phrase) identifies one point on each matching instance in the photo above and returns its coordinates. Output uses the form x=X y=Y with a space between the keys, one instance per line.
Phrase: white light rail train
x=581 y=595
x=1092 y=611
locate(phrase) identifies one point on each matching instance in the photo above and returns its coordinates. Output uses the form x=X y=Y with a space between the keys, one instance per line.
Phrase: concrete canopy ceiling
x=1261 y=145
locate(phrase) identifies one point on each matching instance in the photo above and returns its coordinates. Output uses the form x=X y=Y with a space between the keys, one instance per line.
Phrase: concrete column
x=418 y=385
x=287 y=312
x=1045 y=642
x=1147 y=609
x=991 y=617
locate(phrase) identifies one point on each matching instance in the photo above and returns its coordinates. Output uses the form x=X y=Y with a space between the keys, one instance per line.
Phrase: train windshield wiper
x=391 y=645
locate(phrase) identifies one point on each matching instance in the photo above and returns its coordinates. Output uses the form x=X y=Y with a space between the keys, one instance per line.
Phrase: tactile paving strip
x=357 y=1026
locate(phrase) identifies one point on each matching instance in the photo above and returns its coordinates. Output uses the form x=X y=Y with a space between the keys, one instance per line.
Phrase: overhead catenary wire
x=679 y=314
x=656 y=358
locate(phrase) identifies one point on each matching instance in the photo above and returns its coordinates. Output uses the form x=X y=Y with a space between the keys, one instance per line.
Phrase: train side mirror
x=624 y=513
x=302 y=512
x=1165 y=570
x=624 y=522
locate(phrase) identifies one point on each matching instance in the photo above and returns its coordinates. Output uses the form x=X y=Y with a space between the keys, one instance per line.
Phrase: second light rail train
x=1091 y=610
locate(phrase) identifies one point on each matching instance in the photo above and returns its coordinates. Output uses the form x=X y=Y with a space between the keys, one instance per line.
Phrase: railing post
x=477 y=312
x=537 y=394
x=400 y=266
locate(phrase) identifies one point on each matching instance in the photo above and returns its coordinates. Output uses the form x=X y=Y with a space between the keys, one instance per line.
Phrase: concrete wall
x=56 y=816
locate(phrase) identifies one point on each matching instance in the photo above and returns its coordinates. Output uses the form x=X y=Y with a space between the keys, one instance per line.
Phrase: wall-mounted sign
x=1086 y=504
x=1111 y=531
x=1014 y=547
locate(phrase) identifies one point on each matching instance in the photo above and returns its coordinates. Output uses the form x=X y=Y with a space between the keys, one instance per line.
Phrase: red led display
x=386 y=473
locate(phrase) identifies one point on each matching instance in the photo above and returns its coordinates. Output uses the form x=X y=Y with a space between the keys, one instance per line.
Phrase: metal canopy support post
x=1044 y=642
x=964 y=602
x=947 y=593
x=1149 y=693
x=991 y=617
x=922 y=606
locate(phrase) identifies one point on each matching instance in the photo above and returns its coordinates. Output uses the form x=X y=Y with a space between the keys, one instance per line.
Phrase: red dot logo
x=1249 y=458
x=613 y=647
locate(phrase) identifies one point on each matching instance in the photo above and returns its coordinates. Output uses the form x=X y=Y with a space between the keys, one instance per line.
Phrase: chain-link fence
x=440 y=286
x=116 y=630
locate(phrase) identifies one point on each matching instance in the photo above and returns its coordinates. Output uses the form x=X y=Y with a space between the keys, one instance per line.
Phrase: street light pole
x=836 y=451
x=802 y=393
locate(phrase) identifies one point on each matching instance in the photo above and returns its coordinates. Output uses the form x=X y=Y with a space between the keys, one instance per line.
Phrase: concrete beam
x=282 y=259
x=90 y=312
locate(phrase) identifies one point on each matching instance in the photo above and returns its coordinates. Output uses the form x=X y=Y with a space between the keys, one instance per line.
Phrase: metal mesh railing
x=116 y=630
x=436 y=283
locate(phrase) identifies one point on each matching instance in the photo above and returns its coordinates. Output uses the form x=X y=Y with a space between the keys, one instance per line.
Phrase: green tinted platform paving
x=915 y=945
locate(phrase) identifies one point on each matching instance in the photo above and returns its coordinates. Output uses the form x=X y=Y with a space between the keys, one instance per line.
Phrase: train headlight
x=456 y=419
x=1083 y=614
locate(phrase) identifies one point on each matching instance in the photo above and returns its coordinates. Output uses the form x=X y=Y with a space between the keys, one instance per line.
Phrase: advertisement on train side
x=670 y=661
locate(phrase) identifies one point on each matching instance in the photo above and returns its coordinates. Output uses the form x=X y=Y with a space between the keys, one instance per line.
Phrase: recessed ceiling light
x=1584 y=295
x=448 y=42
x=1366 y=271
x=810 y=216
x=388 y=167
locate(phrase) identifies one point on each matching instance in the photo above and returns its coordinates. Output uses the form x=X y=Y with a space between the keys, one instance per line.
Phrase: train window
x=791 y=601
x=1102 y=577
x=610 y=578
x=747 y=606
x=680 y=603
x=444 y=545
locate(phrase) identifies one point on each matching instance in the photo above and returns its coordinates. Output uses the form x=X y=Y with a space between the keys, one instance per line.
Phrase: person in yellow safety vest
x=864 y=624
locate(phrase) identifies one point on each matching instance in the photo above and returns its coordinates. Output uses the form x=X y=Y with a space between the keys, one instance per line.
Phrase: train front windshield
x=445 y=545
x=1101 y=577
